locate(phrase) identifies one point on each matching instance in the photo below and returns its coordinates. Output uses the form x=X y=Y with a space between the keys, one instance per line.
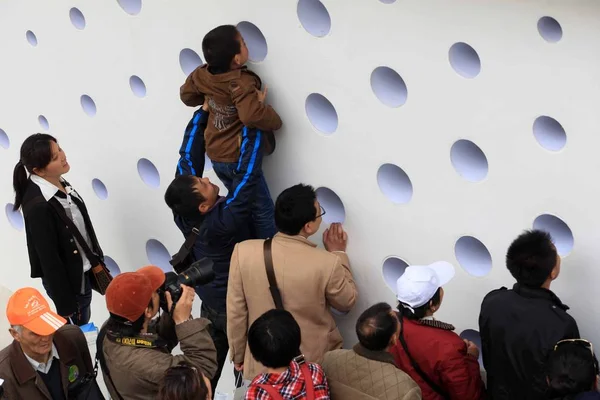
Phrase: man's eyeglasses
x=583 y=342
x=322 y=211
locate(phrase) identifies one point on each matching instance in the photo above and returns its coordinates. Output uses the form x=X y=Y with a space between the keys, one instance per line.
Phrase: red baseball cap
x=129 y=293
x=27 y=307
x=155 y=274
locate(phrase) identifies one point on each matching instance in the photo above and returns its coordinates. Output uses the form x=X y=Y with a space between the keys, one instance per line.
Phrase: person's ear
x=203 y=207
x=149 y=312
x=237 y=59
x=38 y=171
x=14 y=334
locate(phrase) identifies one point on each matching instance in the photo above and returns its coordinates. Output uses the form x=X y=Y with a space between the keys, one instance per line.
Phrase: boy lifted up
x=236 y=104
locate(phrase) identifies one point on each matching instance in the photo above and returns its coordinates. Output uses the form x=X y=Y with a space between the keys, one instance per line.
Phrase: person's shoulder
x=332 y=356
x=250 y=77
x=70 y=334
x=495 y=294
x=250 y=245
x=5 y=354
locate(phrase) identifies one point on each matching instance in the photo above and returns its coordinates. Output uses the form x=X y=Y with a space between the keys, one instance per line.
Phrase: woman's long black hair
x=36 y=152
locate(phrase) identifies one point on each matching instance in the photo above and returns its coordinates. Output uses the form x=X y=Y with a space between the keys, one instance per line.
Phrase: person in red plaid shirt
x=274 y=340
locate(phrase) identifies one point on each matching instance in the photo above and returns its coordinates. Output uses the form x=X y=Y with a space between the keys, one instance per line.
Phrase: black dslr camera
x=199 y=273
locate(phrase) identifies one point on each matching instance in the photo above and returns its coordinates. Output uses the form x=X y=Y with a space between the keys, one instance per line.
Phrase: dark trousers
x=218 y=332
x=84 y=300
x=262 y=208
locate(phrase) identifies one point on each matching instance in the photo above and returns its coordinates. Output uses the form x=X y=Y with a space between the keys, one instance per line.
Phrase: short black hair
x=294 y=208
x=274 y=339
x=220 y=46
x=183 y=198
x=376 y=326
x=531 y=258
x=571 y=370
x=420 y=312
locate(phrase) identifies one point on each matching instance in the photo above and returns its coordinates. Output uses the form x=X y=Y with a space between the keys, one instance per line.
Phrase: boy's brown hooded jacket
x=233 y=105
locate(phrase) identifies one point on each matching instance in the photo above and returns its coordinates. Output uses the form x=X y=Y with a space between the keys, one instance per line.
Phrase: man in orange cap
x=46 y=356
x=135 y=350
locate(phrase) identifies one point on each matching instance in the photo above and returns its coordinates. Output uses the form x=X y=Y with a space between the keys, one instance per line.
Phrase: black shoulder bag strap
x=187 y=246
x=271 y=275
x=100 y=357
x=416 y=366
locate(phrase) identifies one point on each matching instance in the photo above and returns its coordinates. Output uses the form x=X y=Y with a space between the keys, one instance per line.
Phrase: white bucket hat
x=418 y=283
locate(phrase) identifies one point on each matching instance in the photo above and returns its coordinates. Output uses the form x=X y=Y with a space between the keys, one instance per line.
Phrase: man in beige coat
x=368 y=372
x=311 y=280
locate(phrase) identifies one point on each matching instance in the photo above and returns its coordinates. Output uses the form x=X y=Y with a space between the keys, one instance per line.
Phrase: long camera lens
x=199 y=273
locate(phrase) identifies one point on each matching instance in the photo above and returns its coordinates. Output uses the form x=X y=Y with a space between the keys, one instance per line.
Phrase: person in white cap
x=444 y=365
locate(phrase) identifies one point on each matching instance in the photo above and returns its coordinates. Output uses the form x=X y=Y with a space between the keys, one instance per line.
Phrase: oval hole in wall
x=43 y=121
x=132 y=7
x=549 y=133
x=137 y=85
x=88 y=105
x=314 y=17
x=394 y=183
x=77 y=18
x=332 y=204
x=465 y=60
x=148 y=173
x=112 y=266
x=158 y=255
x=189 y=60
x=549 y=29
x=31 y=38
x=388 y=86
x=99 y=189
x=469 y=160
x=473 y=256
x=561 y=234
x=321 y=113
x=4 y=140
x=15 y=218
x=473 y=336
x=392 y=269
x=255 y=41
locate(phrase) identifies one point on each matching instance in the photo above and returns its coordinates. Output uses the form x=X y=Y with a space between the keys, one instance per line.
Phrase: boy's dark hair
x=183 y=382
x=294 y=208
x=183 y=198
x=376 y=326
x=531 y=258
x=219 y=47
x=571 y=370
x=274 y=339
x=420 y=312
x=36 y=152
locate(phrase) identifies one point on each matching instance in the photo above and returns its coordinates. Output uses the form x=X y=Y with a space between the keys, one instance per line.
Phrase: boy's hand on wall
x=262 y=95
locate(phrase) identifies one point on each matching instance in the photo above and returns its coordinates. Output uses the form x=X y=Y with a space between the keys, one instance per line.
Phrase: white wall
x=522 y=76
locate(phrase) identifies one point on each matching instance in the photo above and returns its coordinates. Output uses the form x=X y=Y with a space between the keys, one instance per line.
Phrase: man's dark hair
x=274 y=339
x=571 y=370
x=531 y=258
x=183 y=198
x=183 y=382
x=376 y=326
x=294 y=208
x=220 y=46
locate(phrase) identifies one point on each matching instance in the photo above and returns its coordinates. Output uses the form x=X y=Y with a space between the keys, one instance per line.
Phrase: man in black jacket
x=220 y=222
x=520 y=327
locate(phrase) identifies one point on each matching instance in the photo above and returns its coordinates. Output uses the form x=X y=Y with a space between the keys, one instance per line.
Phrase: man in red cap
x=46 y=356
x=135 y=351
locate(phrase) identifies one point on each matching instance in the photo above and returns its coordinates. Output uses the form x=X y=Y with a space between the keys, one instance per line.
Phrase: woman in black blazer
x=54 y=253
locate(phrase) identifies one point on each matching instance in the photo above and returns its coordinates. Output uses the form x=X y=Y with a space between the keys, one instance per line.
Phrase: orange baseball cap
x=27 y=307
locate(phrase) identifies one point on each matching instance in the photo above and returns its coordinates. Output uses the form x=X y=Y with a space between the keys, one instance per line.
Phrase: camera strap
x=187 y=247
x=100 y=357
x=150 y=341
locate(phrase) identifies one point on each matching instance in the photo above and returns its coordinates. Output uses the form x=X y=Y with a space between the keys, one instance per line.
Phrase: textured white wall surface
x=435 y=130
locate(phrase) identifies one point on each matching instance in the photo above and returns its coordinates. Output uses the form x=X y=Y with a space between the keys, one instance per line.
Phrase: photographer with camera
x=134 y=349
